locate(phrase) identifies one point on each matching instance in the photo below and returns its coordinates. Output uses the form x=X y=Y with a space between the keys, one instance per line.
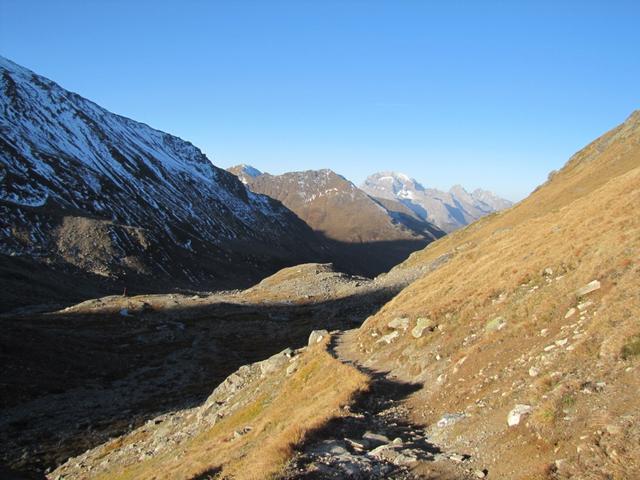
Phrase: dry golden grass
x=282 y=412
x=583 y=225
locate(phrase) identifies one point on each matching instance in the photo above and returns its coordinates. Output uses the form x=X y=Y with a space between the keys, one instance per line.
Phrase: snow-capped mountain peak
x=447 y=210
x=150 y=195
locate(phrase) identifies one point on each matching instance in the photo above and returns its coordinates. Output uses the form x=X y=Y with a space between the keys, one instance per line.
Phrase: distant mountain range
x=85 y=191
x=365 y=235
x=447 y=210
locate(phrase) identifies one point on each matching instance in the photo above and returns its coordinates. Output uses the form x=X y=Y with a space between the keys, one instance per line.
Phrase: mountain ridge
x=150 y=204
x=447 y=210
x=368 y=236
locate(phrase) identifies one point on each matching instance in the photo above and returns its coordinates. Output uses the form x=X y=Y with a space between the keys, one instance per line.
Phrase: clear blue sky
x=486 y=94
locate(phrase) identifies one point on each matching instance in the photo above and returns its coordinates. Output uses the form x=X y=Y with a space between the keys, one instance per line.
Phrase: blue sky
x=485 y=94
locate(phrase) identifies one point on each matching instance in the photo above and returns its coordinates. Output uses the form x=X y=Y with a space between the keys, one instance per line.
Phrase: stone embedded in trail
x=376 y=438
x=517 y=413
x=449 y=419
x=570 y=313
x=357 y=445
x=316 y=336
x=330 y=447
x=405 y=458
x=588 y=288
x=422 y=324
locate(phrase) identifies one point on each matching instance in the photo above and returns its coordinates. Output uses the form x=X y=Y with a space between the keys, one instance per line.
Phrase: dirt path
x=374 y=439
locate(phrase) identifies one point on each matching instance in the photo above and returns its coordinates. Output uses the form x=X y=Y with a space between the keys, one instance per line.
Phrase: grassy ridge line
x=284 y=410
x=507 y=329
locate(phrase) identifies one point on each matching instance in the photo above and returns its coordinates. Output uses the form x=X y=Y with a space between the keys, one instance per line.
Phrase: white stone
x=389 y=338
x=584 y=305
x=400 y=323
x=588 y=288
x=422 y=324
x=518 y=412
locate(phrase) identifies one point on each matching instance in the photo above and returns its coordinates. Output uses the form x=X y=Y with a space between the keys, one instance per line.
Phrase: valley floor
x=75 y=378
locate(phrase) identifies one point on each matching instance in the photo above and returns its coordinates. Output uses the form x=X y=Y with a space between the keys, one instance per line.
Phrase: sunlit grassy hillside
x=506 y=324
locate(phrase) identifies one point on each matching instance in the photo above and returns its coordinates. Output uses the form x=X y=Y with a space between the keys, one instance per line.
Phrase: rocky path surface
x=374 y=439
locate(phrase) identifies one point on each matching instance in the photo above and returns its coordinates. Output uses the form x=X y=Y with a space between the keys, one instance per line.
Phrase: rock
x=376 y=438
x=584 y=305
x=570 y=313
x=405 y=458
x=380 y=451
x=518 y=412
x=480 y=474
x=389 y=337
x=316 y=336
x=292 y=368
x=357 y=445
x=330 y=447
x=397 y=441
x=496 y=324
x=449 y=419
x=561 y=342
x=273 y=363
x=534 y=372
x=588 y=288
x=456 y=457
x=613 y=429
x=422 y=324
x=288 y=352
x=400 y=323
x=547 y=272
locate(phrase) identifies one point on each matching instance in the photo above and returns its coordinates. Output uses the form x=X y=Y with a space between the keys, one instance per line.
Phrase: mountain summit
x=96 y=193
x=367 y=236
x=447 y=210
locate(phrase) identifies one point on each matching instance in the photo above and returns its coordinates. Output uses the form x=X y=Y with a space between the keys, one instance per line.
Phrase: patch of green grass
x=568 y=400
x=631 y=348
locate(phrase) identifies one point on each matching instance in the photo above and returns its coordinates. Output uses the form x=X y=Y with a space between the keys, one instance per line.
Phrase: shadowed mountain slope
x=367 y=236
x=88 y=192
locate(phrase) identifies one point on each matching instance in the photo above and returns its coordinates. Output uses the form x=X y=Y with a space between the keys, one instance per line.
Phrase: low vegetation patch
x=632 y=348
x=284 y=411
